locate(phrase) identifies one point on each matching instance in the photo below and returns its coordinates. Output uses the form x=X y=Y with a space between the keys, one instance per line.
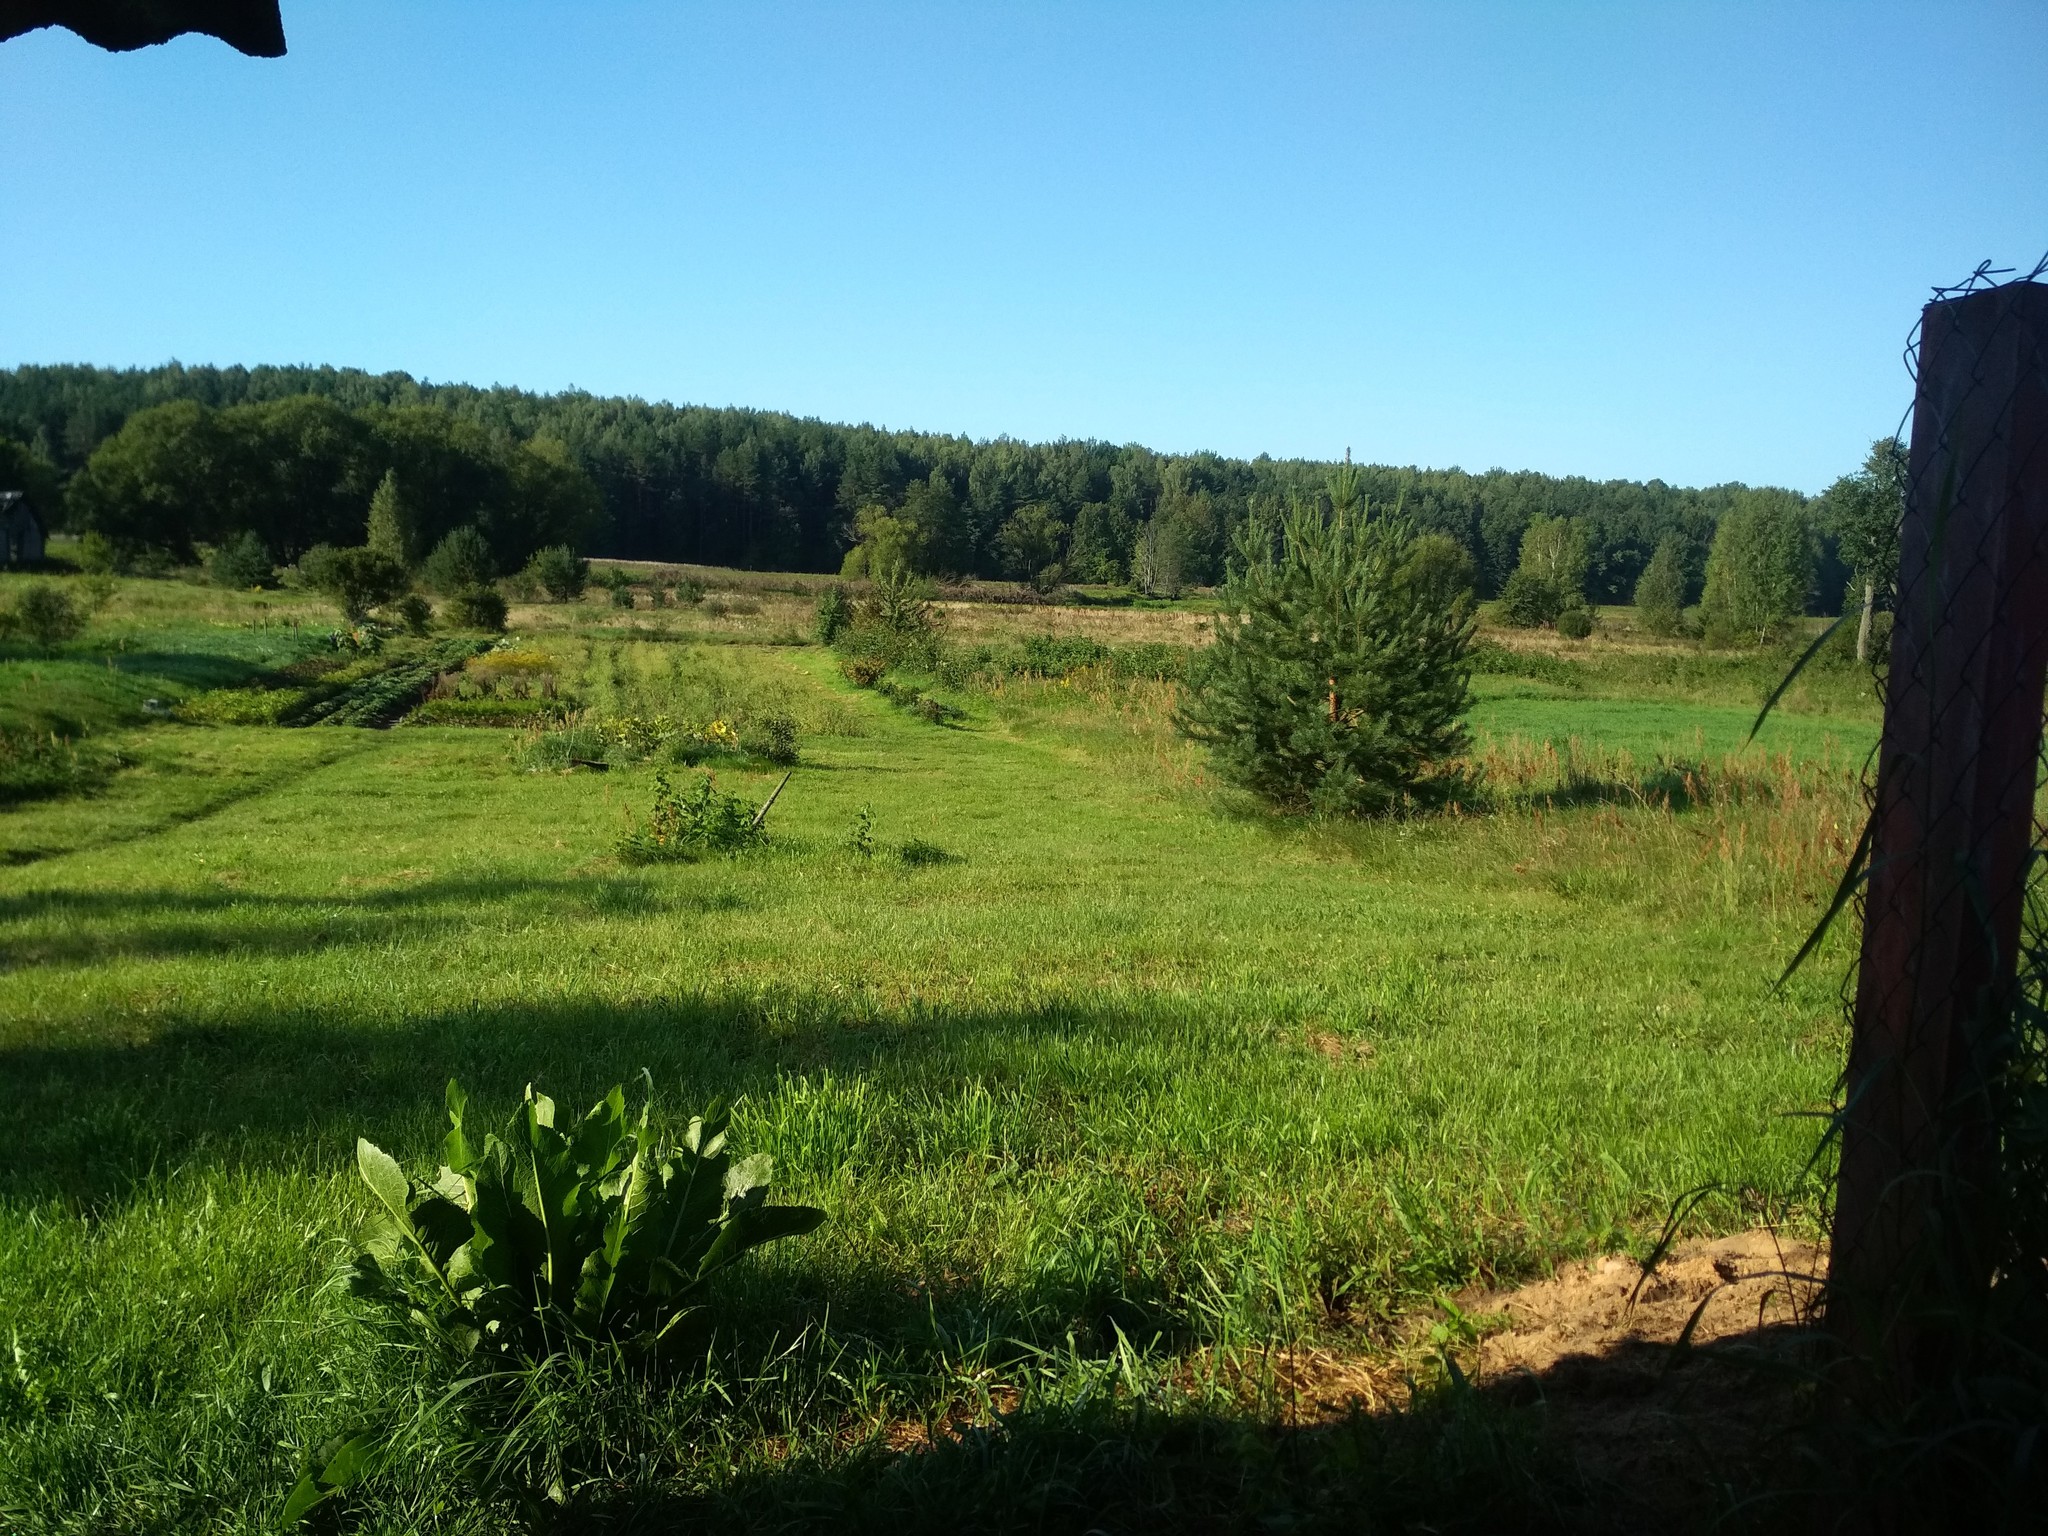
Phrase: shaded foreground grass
x=1139 y=1088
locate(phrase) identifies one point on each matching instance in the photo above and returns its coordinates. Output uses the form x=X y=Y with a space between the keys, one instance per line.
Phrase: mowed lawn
x=1139 y=1071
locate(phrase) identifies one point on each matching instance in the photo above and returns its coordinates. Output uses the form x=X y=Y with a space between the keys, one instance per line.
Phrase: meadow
x=1125 y=1098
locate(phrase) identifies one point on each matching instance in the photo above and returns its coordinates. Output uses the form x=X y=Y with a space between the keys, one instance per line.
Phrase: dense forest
x=171 y=457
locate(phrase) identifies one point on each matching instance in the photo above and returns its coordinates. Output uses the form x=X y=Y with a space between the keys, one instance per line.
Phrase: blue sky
x=1665 y=239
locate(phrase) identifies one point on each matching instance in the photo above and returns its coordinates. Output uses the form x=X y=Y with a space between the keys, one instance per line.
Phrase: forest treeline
x=171 y=457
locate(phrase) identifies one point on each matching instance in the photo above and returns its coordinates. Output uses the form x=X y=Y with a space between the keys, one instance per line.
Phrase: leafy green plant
x=547 y=1240
x=688 y=825
x=547 y=1237
x=860 y=842
x=1576 y=622
x=622 y=594
x=689 y=593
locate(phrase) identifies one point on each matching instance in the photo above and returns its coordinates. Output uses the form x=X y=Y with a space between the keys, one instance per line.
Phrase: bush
x=863 y=671
x=244 y=561
x=44 y=615
x=773 y=738
x=1333 y=685
x=622 y=595
x=689 y=593
x=477 y=608
x=460 y=562
x=103 y=556
x=414 y=612
x=1575 y=623
x=357 y=579
x=36 y=766
x=1529 y=600
x=834 y=615
x=699 y=821
x=558 y=572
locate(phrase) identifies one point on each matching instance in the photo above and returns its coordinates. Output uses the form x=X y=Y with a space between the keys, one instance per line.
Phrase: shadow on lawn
x=170 y=923
x=294 y=1089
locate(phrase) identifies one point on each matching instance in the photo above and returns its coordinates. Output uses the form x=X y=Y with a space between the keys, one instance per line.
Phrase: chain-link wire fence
x=1938 y=1280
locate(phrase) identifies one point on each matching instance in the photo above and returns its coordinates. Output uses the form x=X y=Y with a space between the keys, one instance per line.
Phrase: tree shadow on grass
x=170 y=923
x=294 y=1088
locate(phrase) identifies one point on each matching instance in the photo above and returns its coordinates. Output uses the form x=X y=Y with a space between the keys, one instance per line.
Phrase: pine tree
x=1660 y=591
x=391 y=522
x=1338 y=680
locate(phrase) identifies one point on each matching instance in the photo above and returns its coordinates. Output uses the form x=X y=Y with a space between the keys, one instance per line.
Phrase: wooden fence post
x=1951 y=840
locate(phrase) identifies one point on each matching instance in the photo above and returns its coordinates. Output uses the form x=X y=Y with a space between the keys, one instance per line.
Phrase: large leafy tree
x=1338 y=680
x=1760 y=569
x=155 y=483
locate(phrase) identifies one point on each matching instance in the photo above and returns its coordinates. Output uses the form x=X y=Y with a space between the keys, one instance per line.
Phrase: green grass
x=1651 y=728
x=1137 y=1086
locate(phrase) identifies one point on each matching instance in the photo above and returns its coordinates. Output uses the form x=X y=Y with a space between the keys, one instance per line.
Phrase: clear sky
x=1664 y=239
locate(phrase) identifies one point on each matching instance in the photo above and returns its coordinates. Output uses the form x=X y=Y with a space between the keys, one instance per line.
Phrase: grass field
x=1134 y=1094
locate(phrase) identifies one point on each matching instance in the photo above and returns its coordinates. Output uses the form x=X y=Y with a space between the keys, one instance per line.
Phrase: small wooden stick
x=762 y=814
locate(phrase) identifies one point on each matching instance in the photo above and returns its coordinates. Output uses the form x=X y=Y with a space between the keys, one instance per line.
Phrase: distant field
x=1137 y=1087
x=1649 y=729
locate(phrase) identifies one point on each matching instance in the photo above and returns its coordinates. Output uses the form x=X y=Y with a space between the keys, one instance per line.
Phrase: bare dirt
x=1669 y=1390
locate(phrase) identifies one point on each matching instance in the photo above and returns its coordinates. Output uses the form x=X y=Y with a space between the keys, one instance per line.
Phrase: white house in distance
x=21 y=535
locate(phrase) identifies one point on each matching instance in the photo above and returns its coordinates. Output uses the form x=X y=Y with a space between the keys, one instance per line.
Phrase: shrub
x=834 y=615
x=1575 y=623
x=44 y=615
x=414 y=612
x=773 y=738
x=1529 y=599
x=864 y=671
x=460 y=562
x=899 y=605
x=357 y=579
x=689 y=593
x=244 y=561
x=1332 y=684
x=622 y=595
x=701 y=820
x=558 y=572
x=36 y=766
x=102 y=555
x=477 y=608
